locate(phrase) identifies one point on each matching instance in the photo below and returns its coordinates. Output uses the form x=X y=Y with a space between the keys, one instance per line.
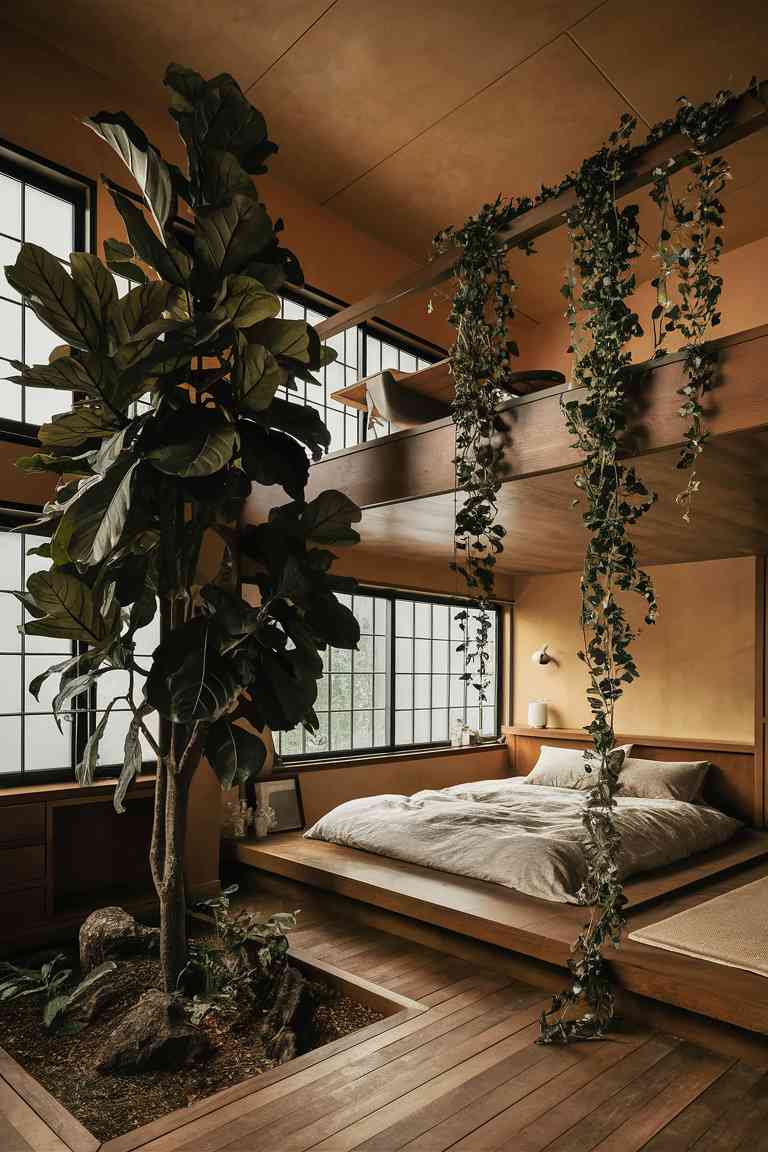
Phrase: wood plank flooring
x=459 y=1071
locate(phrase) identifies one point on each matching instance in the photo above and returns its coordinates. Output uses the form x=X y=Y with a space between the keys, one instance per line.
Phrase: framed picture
x=284 y=796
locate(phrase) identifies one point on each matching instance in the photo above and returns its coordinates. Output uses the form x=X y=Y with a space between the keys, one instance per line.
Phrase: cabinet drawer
x=22 y=824
x=21 y=868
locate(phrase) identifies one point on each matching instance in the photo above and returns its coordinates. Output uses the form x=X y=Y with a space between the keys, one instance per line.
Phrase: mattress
x=522 y=836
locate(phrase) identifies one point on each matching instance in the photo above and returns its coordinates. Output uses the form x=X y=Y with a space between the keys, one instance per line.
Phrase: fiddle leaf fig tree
x=148 y=488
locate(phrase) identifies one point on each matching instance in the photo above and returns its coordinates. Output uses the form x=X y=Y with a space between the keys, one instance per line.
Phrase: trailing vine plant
x=688 y=287
x=480 y=360
x=605 y=241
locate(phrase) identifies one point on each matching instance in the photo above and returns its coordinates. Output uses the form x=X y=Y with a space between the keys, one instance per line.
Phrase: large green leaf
x=138 y=308
x=97 y=285
x=144 y=162
x=95 y=520
x=223 y=176
x=246 y=301
x=119 y=257
x=215 y=115
x=69 y=429
x=172 y=265
x=61 y=465
x=271 y=457
x=332 y=621
x=229 y=236
x=66 y=373
x=190 y=680
x=302 y=422
x=235 y=754
x=199 y=442
x=328 y=518
x=69 y=609
x=256 y=376
x=132 y=760
x=284 y=688
x=57 y=300
x=85 y=770
x=285 y=338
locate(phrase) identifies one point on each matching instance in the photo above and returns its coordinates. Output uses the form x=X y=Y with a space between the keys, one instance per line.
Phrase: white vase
x=537 y=714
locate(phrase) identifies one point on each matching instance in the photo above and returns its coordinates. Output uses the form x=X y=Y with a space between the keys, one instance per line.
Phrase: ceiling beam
x=750 y=116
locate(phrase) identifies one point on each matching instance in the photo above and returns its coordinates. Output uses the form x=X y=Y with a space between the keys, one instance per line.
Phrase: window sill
x=64 y=789
x=292 y=768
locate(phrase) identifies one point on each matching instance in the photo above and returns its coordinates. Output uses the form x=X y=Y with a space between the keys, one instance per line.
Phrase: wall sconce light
x=541 y=656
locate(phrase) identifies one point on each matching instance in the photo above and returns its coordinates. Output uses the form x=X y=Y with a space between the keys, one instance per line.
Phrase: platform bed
x=539 y=929
x=542 y=930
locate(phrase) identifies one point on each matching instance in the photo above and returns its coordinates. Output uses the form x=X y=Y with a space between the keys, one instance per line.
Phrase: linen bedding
x=526 y=838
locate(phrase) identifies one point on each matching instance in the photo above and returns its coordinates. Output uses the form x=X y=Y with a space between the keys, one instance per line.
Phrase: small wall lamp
x=541 y=656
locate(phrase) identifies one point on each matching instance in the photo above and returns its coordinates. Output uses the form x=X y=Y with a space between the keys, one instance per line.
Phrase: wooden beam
x=751 y=115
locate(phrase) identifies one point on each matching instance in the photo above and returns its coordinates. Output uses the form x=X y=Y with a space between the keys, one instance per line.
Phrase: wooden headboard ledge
x=732 y=784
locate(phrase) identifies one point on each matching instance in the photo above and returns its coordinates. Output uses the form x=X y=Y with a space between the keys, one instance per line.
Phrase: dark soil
x=110 y=1105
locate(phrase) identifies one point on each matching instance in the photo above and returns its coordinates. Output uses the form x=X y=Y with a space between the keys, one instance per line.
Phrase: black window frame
x=19 y=518
x=390 y=595
x=56 y=180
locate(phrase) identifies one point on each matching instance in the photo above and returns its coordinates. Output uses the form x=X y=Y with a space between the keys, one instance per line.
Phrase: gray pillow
x=565 y=768
x=663 y=779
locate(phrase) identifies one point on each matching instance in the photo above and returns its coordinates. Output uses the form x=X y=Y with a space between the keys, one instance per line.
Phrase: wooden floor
x=460 y=1071
x=542 y=930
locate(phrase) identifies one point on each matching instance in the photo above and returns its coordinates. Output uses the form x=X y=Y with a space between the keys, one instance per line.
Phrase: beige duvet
x=523 y=836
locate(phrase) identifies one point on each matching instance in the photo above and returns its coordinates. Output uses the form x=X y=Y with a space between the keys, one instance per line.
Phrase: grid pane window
x=403 y=686
x=32 y=210
x=345 y=424
x=32 y=742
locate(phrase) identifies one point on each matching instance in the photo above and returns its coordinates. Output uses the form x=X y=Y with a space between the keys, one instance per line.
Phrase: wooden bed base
x=539 y=929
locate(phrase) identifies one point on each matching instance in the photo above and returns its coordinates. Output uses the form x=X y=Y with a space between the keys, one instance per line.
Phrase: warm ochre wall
x=697 y=664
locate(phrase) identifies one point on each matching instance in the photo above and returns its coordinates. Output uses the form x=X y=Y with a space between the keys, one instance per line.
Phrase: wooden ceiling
x=404 y=117
x=544 y=533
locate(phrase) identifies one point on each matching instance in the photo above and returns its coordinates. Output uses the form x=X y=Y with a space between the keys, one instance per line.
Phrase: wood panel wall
x=323 y=788
x=730 y=784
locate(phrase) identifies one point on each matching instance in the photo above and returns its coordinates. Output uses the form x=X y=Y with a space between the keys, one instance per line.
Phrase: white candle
x=537 y=714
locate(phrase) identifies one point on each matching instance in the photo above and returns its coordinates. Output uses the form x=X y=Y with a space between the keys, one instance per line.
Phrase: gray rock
x=93 y=1003
x=109 y=933
x=152 y=1034
x=282 y=1024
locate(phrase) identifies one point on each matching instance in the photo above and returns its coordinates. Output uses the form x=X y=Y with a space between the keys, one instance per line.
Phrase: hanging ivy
x=605 y=241
x=480 y=361
x=688 y=288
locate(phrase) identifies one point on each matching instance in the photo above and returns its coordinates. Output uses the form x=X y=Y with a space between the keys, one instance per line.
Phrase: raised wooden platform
x=539 y=929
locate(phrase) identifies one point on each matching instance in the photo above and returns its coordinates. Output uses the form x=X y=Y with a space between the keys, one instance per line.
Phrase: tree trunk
x=169 y=837
x=172 y=894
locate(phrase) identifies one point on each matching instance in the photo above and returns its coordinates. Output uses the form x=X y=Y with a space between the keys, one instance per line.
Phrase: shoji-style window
x=403 y=687
x=30 y=739
x=33 y=745
x=40 y=208
x=344 y=424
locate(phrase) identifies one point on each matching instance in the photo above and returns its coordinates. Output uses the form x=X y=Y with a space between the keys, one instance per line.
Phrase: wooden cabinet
x=64 y=851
